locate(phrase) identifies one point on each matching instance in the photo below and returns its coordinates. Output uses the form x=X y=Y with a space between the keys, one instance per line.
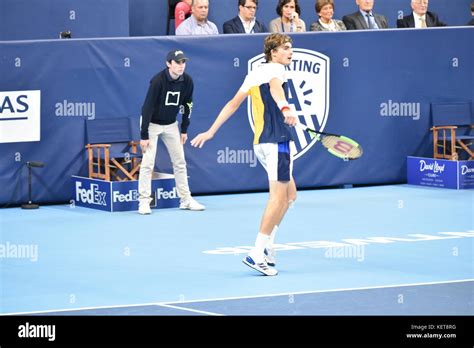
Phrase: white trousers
x=171 y=137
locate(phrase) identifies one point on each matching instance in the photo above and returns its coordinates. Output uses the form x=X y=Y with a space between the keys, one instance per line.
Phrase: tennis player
x=273 y=143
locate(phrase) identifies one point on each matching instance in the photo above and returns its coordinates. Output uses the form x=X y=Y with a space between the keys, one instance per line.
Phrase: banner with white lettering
x=370 y=95
x=20 y=116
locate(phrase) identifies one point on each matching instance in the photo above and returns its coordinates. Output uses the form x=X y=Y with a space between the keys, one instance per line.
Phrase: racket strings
x=341 y=146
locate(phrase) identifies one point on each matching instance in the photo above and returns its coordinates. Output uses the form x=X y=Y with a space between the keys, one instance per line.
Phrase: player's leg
x=290 y=148
x=270 y=253
x=146 y=170
x=274 y=210
x=276 y=159
x=276 y=207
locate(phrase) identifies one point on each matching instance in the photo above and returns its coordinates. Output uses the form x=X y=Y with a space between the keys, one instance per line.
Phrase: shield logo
x=308 y=83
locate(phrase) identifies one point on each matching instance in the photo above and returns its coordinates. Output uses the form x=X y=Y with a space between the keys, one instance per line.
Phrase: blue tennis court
x=383 y=250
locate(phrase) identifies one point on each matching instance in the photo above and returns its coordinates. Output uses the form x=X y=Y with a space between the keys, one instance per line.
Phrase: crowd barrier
x=376 y=87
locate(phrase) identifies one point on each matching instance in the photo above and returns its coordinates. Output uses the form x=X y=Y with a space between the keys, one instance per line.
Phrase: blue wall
x=45 y=19
x=363 y=85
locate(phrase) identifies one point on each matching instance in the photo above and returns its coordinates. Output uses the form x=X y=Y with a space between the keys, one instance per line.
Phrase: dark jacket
x=163 y=100
x=356 y=21
x=432 y=20
x=235 y=26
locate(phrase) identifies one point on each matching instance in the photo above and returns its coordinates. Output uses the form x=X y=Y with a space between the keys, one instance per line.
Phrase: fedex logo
x=131 y=196
x=163 y=194
x=90 y=196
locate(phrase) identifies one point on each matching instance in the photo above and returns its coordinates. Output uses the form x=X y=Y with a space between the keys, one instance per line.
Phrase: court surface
x=383 y=250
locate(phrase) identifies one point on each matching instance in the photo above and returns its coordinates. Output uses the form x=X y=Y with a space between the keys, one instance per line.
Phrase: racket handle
x=307 y=129
x=314 y=132
x=302 y=126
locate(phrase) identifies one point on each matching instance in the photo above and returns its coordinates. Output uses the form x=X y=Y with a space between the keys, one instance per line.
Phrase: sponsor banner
x=107 y=79
x=121 y=196
x=20 y=116
x=308 y=84
x=440 y=173
x=466 y=174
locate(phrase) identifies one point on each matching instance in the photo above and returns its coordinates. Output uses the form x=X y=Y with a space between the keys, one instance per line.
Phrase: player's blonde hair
x=273 y=41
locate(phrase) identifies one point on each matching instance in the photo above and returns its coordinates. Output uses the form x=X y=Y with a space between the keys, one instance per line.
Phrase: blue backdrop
x=45 y=19
x=380 y=95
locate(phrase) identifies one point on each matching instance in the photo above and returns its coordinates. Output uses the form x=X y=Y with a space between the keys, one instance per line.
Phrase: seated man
x=365 y=18
x=245 y=22
x=198 y=24
x=421 y=17
x=182 y=11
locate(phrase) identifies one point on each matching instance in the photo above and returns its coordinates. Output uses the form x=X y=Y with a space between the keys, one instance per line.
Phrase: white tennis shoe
x=191 y=204
x=144 y=209
x=262 y=267
x=270 y=256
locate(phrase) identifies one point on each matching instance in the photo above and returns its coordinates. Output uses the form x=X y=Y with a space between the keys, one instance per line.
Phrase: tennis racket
x=337 y=145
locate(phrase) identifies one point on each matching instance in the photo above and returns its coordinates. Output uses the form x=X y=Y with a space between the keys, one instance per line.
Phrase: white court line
x=168 y=303
x=325 y=291
x=190 y=309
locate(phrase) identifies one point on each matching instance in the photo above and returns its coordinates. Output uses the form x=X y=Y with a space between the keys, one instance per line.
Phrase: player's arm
x=278 y=95
x=227 y=111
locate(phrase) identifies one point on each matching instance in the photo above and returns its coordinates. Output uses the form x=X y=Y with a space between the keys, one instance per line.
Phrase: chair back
x=451 y=114
x=109 y=130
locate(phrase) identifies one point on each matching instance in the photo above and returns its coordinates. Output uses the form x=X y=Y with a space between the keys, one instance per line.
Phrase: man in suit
x=421 y=17
x=245 y=22
x=365 y=18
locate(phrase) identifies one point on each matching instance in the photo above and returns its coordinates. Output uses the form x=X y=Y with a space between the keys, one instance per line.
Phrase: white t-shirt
x=264 y=74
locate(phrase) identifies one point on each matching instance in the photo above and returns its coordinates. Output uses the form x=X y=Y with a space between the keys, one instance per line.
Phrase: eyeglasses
x=254 y=8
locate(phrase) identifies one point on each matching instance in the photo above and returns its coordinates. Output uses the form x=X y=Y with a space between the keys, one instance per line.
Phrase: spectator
x=198 y=24
x=289 y=18
x=182 y=11
x=365 y=18
x=471 y=22
x=325 y=11
x=420 y=17
x=167 y=90
x=245 y=22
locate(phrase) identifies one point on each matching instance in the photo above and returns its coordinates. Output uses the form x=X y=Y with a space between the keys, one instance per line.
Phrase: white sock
x=260 y=243
x=271 y=240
